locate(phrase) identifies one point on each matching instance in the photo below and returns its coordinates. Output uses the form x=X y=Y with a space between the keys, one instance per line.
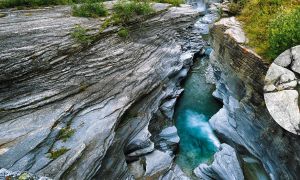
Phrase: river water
x=194 y=108
x=198 y=143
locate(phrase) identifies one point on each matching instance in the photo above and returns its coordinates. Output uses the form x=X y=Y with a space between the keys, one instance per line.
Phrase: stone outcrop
x=69 y=110
x=224 y=166
x=244 y=121
x=281 y=91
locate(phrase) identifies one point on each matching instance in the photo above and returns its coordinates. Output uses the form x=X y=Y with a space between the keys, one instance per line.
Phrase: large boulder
x=225 y=166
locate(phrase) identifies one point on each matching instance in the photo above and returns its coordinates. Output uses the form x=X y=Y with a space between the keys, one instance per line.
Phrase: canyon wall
x=244 y=121
x=74 y=111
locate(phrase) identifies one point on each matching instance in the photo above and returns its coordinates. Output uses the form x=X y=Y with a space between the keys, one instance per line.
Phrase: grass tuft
x=125 y=10
x=90 y=9
x=173 y=2
x=65 y=133
x=31 y=3
x=56 y=153
x=123 y=33
x=79 y=34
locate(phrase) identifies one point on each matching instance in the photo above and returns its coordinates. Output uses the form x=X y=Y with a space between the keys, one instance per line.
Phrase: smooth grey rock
x=234 y=29
x=288 y=85
x=283 y=106
x=269 y=88
x=170 y=134
x=143 y=151
x=284 y=59
x=224 y=166
x=295 y=56
x=168 y=108
x=279 y=76
x=174 y=174
x=157 y=162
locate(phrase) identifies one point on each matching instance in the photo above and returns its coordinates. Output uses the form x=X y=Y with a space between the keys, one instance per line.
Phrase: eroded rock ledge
x=224 y=166
x=68 y=111
x=244 y=121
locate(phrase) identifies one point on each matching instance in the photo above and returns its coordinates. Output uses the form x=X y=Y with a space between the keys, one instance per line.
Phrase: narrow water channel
x=193 y=110
x=197 y=140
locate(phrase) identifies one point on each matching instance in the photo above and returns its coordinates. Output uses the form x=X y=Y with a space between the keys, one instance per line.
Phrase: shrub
x=123 y=33
x=173 y=2
x=80 y=35
x=89 y=9
x=35 y=3
x=31 y=3
x=284 y=33
x=257 y=17
x=235 y=7
x=65 y=133
x=56 y=153
x=124 y=10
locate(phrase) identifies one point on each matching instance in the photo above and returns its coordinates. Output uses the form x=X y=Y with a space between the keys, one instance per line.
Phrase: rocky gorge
x=105 y=110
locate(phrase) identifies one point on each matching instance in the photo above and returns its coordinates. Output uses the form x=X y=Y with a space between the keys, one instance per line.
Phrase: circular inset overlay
x=281 y=90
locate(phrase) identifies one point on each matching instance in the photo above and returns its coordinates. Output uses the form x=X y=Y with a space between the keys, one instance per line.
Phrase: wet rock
x=224 y=166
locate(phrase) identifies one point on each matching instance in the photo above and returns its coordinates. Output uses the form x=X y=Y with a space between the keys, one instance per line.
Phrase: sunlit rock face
x=244 y=121
x=281 y=90
x=102 y=95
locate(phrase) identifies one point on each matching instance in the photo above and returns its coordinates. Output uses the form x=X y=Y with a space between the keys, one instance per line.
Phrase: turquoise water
x=197 y=140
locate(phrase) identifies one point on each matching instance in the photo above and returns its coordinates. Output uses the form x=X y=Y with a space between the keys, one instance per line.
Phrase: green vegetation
x=236 y=6
x=31 y=3
x=173 y=2
x=89 y=9
x=65 y=133
x=80 y=35
x=56 y=153
x=123 y=32
x=125 y=10
x=284 y=33
x=272 y=26
x=36 y=3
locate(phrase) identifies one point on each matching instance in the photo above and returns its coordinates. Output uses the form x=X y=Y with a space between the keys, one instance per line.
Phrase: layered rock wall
x=244 y=121
x=69 y=111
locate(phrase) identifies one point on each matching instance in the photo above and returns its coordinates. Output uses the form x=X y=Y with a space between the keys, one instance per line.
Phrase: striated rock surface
x=244 y=121
x=224 y=166
x=69 y=111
